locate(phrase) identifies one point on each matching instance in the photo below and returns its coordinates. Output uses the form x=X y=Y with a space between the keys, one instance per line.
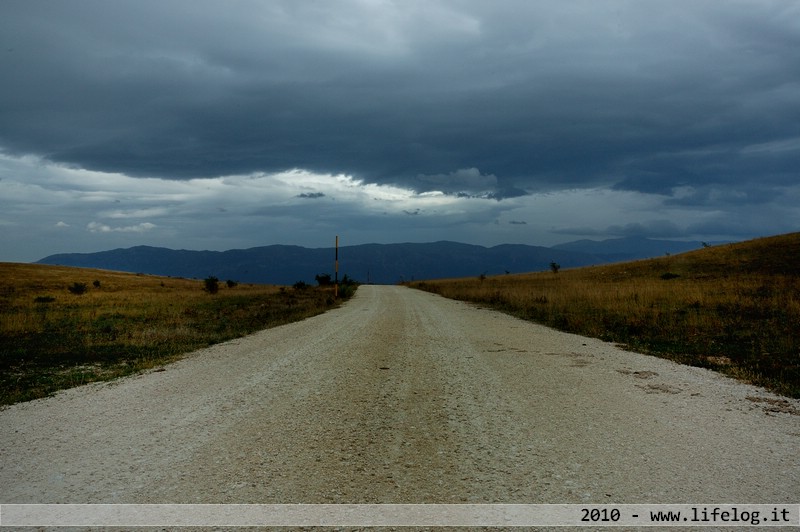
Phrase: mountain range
x=373 y=263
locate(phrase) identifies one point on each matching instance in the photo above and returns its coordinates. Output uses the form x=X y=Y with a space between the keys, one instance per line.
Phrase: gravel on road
x=400 y=396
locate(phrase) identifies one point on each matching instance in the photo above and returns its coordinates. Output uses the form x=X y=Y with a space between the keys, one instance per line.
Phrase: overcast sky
x=200 y=124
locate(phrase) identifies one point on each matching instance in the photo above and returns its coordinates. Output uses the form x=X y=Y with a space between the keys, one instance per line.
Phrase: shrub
x=323 y=279
x=78 y=288
x=348 y=281
x=346 y=291
x=211 y=285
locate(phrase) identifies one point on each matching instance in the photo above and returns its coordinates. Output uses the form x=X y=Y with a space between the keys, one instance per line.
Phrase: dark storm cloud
x=524 y=92
x=696 y=101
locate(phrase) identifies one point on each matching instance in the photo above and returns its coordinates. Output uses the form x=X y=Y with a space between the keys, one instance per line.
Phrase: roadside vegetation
x=62 y=327
x=732 y=308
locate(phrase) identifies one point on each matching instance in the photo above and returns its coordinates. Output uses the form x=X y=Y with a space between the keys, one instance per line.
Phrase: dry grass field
x=52 y=336
x=733 y=308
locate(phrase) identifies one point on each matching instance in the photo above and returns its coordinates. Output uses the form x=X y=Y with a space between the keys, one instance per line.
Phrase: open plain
x=401 y=396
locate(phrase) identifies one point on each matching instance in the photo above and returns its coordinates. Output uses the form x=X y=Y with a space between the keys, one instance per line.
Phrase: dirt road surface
x=401 y=396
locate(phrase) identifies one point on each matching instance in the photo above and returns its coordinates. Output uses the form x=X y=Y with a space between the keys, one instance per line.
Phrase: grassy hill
x=63 y=326
x=734 y=308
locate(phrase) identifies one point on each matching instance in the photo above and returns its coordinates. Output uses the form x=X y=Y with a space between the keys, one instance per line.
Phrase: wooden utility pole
x=336 y=271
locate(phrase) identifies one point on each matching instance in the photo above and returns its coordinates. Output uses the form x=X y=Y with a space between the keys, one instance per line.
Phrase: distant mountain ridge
x=376 y=263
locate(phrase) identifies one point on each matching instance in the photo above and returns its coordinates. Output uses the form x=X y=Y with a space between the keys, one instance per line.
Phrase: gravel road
x=400 y=396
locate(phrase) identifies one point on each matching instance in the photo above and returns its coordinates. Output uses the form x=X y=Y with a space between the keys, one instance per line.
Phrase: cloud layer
x=473 y=116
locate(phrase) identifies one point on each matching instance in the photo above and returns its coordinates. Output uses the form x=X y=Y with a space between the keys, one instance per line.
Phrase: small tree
x=323 y=279
x=554 y=267
x=231 y=284
x=211 y=285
